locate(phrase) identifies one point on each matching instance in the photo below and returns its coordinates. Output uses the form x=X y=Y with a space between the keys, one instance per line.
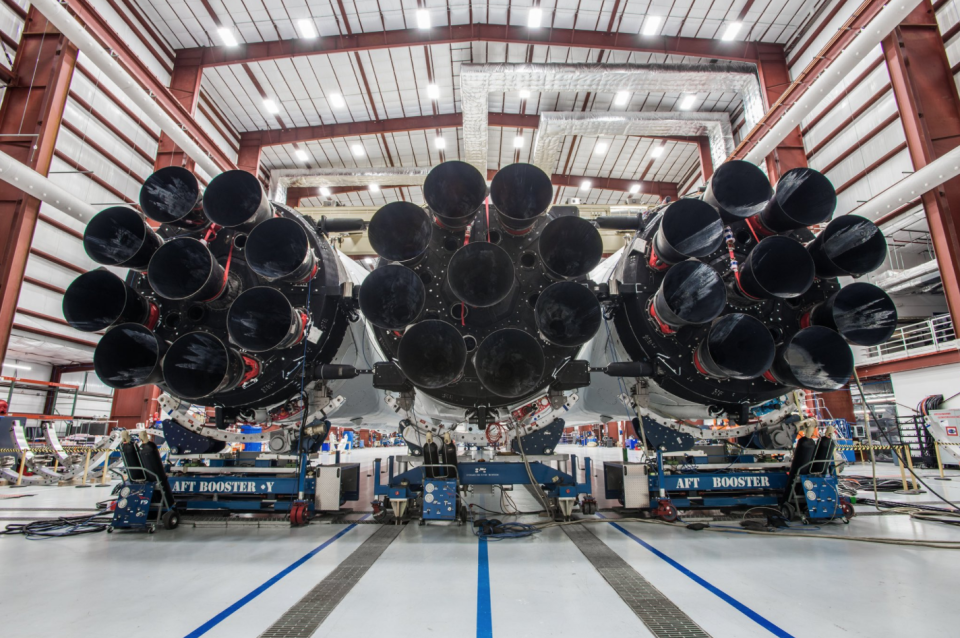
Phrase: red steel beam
x=845 y=34
x=906 y=364
x=774 y=81
x=165 y=98
x=706 y=160
x=29 y=121
x=260 y=51
x=185 y=88
x=929 y=106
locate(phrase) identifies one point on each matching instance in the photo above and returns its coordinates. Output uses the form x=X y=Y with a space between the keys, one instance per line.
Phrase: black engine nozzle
x=510 y=363
x=184 y=268
x=235 y=199
x=400 y=231
x=691 y=293
x=129 y=355
x=737 y=346
x=432 y=354
x=278 y=248
x=738 y=190
x=198 y=364
x=814 y=358
x=804 y=197
x=862 y=313
x=570 y=247
x=481 y=274
x=118 y=236
x=850 y=246
x=99 y=299
x=688 y=228
x=262 y=319
x=454 y=191
x=392 y=297
x=521 y=194
x=777 y=268
x=172 y=195
x=568 y=314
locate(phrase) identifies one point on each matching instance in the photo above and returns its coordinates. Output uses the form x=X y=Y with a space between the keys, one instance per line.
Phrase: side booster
x=478 y=303
x=731 y=300
x=223 y=300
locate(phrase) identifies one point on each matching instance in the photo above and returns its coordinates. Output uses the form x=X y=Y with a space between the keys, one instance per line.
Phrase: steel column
x=706 y=161
x=185 y=88
x=774 y=81
x=251 y=149
x=29 y=122
x=929 y=106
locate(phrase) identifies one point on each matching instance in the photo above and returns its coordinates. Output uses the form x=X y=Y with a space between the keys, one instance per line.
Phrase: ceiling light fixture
x=534 y=18
x=622 y=98
x=524 y=94
x=324 y=191
x=518 y=141
x=634 y=189
x=600 y=148
x=271 y=106
x=687 y=103
x=336 y=101
x=374 y=188
x=16 y=366
x=357 y=150
x=307 y=29
x=433 y=91
x=440 y=143
x=586 y=185
x=423 y=19
x=657 y=151
x=651 y=25
x=732 y=30
x=302 y=155
x=226 y=35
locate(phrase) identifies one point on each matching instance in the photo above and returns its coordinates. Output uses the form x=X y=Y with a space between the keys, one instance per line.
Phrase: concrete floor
x=236 y=582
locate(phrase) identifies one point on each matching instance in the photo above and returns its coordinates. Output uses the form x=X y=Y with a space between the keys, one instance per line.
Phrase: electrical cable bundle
x=494 y=529
x=60 y=527
x=932 y=402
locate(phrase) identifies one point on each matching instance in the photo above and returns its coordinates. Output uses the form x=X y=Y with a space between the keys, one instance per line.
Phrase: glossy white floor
x=236 y=582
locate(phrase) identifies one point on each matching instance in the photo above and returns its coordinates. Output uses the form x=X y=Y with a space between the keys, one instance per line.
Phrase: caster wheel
x=848 y=512
x=170 y=520
x=787 y=511
x=151 y=529
x=109 y=530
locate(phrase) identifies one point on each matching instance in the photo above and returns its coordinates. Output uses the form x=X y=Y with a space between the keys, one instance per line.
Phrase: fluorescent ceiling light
x=586 y=185
x=423 y=19
x=226 y=35
x=440 y=143
x=518 y=141
x=732 y=30
x=534 y=18
x=687 y=103
x=302 y=155
x=433 y=91
x=324 y=191
x=374 y=188
x=524 y=94
x=336 y=101
x=622 y=98
x=357 y=150
x=651 y=25
x=271 y=106
x=307 y=29
x=634 y=189
x=600 y=148
x=16 y=365
x=657 y=151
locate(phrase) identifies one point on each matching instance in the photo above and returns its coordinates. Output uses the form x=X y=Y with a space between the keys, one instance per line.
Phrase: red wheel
x=666 y=511
x=847 y=508
x=298 y=514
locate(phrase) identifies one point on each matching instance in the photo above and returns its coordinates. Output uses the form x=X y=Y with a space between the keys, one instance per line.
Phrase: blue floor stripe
x=736 y=604
x=484 y=618
x=229 y=611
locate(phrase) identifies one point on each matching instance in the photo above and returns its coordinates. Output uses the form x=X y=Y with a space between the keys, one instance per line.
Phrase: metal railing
x=932 y=335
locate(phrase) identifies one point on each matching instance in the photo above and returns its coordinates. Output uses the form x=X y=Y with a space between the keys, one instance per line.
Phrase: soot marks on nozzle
x=171 y=195
x=777 y=268
x=199 y=364
x=520 y=193
x=481 y=274
x=815 y=358
x=862 y=313
x=400 y=231
x=118 y=236
x=691 y=293
x=850 y=245
x=128 y=356
x=737 y=346
x=568 y=314
x=263 y=319
x=570 y=247
x=454 y=191
x=432 y=354
x=99 y=299
x=510 y=363
x=688 y=228
x=392 y=297
x=804 y=197
x=235 y=199
x=184 y=268
x=278 y=248
x=738 y=190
